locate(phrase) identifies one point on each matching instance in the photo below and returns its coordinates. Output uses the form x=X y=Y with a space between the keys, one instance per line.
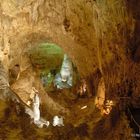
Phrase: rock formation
x=101 y=37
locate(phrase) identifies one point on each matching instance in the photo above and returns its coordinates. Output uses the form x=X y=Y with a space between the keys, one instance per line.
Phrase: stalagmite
x=66 y=69
x=36 y=108
x=65 y=77
x=100 y=98
x=40 y=122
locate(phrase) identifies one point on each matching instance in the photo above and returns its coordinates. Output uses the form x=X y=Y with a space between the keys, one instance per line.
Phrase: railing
x=132 y=119
x=126 y=103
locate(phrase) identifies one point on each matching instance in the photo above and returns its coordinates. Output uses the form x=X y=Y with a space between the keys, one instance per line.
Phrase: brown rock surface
x=98 y=35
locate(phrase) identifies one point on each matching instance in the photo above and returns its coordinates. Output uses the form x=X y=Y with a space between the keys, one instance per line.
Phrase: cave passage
x=52 y=65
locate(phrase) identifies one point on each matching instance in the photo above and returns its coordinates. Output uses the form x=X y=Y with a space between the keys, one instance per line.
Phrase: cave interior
x=69 y=70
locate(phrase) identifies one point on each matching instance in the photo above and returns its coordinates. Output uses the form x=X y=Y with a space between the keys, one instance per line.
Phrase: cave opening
x=53 y=66
x=45 y=67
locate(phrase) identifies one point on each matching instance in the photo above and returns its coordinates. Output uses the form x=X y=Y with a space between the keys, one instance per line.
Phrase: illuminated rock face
x=36 y=110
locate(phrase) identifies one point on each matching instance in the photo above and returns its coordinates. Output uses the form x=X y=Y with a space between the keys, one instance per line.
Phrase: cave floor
x=78 y=124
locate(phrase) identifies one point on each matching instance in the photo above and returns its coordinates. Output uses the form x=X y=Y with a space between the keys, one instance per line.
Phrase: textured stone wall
x=95 y=34
x=98 y=35
x=88 y=31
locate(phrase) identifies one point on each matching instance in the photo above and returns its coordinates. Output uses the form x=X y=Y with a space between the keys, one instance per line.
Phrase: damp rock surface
x=101 y=38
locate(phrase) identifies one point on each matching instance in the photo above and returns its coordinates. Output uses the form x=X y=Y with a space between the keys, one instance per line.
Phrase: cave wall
x=97 y=35
x=91 y=32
